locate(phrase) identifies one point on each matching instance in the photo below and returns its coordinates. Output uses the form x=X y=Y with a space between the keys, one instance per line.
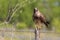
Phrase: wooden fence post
x=37 y=35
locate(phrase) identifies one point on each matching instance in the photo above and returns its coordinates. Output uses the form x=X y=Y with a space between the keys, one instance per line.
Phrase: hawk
x=39 y=18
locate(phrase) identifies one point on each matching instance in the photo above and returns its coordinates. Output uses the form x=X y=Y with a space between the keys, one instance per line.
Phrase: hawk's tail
x=47 y=24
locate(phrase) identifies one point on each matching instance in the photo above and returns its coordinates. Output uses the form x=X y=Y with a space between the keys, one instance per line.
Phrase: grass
x=27 y=35
x=18 y=36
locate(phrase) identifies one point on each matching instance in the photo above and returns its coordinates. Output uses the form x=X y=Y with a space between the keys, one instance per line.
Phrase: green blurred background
x=22 y=18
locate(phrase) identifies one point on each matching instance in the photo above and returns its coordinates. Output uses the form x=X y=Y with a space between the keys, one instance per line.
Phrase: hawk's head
x=35 y=10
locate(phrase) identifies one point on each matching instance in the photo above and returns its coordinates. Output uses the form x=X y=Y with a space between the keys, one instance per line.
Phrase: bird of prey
x=39 y=18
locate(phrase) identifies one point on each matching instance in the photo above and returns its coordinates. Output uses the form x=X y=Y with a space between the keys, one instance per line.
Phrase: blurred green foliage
x=50 y=8
x=21 y=25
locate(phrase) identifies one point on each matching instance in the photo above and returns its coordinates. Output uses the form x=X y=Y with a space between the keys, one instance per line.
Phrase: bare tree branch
x=17 y=7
